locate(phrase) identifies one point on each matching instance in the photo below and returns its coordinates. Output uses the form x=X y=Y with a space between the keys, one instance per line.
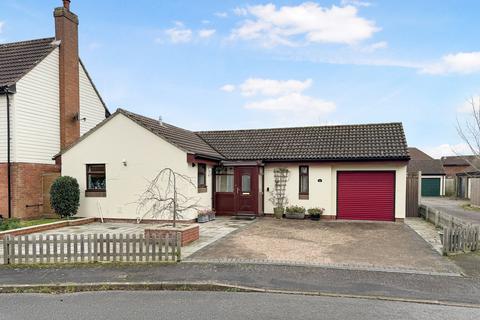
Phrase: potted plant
x=203 y=216
x=315 y=213
x=211 y=215
x=278 y=212
x=278 y=195
x=295 y=212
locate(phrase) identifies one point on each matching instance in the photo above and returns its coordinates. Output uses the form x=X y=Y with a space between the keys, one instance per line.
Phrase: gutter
x=7 y=90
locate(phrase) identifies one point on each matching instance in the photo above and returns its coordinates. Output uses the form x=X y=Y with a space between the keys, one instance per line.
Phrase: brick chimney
x=66 y=31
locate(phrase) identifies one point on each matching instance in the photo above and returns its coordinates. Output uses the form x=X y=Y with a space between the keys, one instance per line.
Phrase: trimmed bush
x=65 y=196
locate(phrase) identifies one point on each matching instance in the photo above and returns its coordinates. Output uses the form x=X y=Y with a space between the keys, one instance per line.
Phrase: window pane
x=224 y=170
x=246 y=183
x=304 y=184
x=224 y=183
x=202 y=168
x=304 y=170
x=96 y=179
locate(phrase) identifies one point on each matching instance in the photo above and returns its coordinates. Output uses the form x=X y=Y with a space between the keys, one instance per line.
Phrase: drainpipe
x=6 y=90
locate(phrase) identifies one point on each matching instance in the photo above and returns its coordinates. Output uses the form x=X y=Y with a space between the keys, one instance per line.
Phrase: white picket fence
x=59 y=248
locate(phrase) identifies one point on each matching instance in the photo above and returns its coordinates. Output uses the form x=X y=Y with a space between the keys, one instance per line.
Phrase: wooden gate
x=413 y=190
x=47 y=181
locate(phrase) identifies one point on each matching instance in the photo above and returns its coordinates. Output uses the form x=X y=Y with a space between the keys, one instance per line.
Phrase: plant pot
x=278 y=213
x=202 y=219
x=211 y=216
x=295 y=215
x=315 y=218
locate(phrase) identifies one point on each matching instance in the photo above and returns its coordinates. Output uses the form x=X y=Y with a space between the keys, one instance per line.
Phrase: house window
x=303 y=185
x=224 y=179
x=96 y=180
x=202 y=177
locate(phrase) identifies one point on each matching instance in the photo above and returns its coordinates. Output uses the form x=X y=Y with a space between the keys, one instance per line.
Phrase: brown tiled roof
x=384 y=141
x=417 y=154
x=426 y=166
x=184 y=139
x=457 y=160
x=18 y=58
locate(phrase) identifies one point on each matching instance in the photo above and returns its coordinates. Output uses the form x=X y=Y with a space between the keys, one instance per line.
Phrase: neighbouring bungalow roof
x=384 y=141
x=328 y=143
x=427 y=167
x=417 y=154
x=458 y=160
x=18 y=58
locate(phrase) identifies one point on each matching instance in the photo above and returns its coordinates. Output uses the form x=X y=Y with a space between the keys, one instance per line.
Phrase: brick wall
x=451 y=171
x=26 y=188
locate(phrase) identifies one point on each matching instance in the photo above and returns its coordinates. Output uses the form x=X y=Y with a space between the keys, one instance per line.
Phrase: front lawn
x=9 y=224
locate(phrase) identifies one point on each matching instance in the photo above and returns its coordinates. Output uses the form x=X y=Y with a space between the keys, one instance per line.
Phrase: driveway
x=350 y=244
x=454 y=208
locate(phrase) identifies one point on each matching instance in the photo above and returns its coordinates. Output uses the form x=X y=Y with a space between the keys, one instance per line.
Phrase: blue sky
x=232 y=64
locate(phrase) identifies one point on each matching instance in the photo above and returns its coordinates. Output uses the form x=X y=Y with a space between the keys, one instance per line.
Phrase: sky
x=205 y=65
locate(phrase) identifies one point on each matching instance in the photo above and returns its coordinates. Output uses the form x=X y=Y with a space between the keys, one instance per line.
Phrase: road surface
x=215 y=305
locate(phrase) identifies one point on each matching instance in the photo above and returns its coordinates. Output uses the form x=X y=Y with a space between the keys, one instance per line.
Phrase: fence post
x=6 y=249
x=445 y=241
x=179 y=247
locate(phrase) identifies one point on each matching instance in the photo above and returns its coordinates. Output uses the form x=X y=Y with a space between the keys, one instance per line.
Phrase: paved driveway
x=350 y=244
x=454 y=208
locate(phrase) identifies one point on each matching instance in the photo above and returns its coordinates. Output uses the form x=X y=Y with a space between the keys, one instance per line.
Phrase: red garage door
x=366 y=195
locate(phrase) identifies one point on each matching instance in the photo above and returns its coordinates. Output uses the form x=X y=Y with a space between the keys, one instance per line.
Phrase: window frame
x=303 y=175
x=202 y=187
x=95 y=192
x=224 y=174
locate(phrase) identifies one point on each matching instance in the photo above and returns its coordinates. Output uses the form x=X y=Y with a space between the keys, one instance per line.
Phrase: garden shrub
x=65 y=196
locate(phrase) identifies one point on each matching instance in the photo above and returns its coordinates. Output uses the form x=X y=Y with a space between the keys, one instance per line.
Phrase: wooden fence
x=460 y=239
x=59 y=248
x=458 y=235
x=475 y=191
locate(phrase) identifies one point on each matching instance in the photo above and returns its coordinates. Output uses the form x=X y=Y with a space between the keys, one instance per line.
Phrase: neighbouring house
x=352 y=171
x=433 y=175
x=460 y=169
x=47 y=101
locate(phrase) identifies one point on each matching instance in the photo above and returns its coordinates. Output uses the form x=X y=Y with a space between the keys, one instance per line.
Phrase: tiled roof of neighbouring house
x=417 y=154
x=426 y=166
x=384 y=141
x=184 y=139
x=457 y=160
x=18 y=58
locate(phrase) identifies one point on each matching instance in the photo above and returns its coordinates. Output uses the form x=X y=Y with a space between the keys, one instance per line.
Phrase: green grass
x=36 y=222
x=469 y=207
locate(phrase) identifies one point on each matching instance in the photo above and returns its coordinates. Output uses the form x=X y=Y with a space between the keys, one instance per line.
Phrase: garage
x=431 y=187
x=366 y=195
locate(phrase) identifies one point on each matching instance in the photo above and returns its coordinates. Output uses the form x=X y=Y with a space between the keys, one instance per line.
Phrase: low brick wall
x=46 y=227
x=189 y=233
x=146 y=221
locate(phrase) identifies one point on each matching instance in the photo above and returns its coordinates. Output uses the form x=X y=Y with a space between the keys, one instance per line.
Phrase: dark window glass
x=96 y=177
x=202 y=175
x=304 y=179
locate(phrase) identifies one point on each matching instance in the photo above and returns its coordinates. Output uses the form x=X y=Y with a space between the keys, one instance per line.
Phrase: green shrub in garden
x=65 y=196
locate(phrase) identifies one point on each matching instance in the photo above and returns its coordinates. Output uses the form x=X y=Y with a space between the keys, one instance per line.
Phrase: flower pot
x=295 y=215
x=211 y=216
x=202 y=219
x=278 y=213
x=315 y=217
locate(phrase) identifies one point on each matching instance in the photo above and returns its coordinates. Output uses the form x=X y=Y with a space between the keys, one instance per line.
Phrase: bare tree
x=469 y=132
x=164 y=196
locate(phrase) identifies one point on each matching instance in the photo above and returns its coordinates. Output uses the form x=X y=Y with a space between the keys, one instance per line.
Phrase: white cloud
x=374 y=47
x=447 y=150
x=228 y=88
x=462 y=62
x=179 y=33
x=269 y=87
x=239 y=11
x=467 y=107
x=2 y=24
x=358 y=3
x=305 y=23
x=221 y=14
x=206 y=33
x=294 y=102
